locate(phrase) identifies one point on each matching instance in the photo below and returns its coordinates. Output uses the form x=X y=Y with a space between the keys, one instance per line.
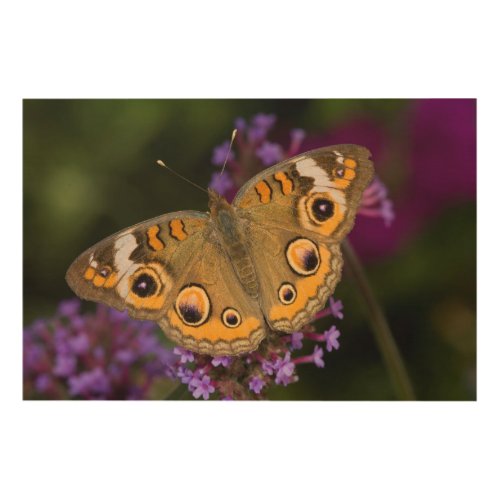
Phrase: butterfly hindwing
x=211 y=312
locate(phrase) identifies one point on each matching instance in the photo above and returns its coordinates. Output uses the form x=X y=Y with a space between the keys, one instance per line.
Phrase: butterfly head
x=217 y=203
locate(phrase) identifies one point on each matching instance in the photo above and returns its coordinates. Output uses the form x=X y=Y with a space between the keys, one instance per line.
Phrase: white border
x=221 y=49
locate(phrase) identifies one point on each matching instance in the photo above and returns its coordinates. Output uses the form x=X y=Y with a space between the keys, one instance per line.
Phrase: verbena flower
x=375 y=202
x=104 y=355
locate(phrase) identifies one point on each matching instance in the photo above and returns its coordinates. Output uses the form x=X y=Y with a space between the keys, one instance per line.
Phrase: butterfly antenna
x=228 y=151
x=159 y=162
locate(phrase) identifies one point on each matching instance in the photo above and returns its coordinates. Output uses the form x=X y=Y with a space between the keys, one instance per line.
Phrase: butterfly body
x=231 y=231
x=219 y=282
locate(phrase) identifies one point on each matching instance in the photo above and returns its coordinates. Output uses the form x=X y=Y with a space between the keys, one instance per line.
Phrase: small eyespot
x=144 y=285
x=193 y=305
x=231 y=317
x=287 y=293
x=302 y=256
x=105 y=271
x=340 y=172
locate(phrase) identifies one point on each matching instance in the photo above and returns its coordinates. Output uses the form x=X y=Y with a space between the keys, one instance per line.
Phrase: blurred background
x=89 y=171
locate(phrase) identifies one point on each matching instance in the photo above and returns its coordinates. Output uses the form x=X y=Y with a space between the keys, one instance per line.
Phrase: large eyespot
x=231 y=317
x=193 y=305
x=302 y=256
x=287 y=293
x=320 y=207
x=145 y=284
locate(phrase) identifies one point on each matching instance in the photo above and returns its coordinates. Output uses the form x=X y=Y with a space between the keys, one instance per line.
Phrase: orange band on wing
x=306 y=288
x=285 y=181
x=153 y=240
x=89 y=273
x=177 y=229
x=349 y=162
x=264 y=191
x=214 y=330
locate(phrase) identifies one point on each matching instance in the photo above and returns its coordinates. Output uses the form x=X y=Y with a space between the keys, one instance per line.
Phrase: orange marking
x=154 y=302
x=307 y=287
x=196 y=298
x=89 y=273
x=349 y=162
x=214 y=329
x=153 y=241
x=330 y=225
x=111 y=280
x=285 y=181
x=177 y=229
x=98 y=280
x=264 y=191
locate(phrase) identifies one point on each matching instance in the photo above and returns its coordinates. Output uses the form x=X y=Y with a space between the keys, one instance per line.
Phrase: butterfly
x=218 y=282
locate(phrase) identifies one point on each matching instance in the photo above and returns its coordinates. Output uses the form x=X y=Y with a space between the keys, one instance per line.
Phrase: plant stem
x=177 y=393
x=383 y=336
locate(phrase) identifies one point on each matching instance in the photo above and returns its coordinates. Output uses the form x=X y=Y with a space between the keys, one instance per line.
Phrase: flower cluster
x=104 y=355
x=250 y=376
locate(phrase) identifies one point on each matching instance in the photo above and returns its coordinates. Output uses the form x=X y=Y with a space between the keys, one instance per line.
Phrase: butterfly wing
x=297 y=214
x=172 y=269
x=136 y=268
x=211 y=313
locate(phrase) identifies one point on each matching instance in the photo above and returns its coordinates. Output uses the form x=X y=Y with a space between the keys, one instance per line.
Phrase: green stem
x=383 y=336
x=177 y=393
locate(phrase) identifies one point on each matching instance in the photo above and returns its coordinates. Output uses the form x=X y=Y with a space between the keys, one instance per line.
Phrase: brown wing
x=136 y=268
x=211 y=313
x=317 y=192
x=298 y=212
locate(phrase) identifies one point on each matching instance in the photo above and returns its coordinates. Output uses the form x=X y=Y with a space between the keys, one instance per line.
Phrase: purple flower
x=93 y=356
x=331 y=337
x=261 y=124
x=65 y=365
x=264 y=121
x=34 y=356
x=186 y=356
x=69 y=308
x=269 y=153
x=267 y=367
x=297 y=135
x=296 y=340
x=94 y=382
x=285 y=371
x=220 y=153
x=80 y=343
x=336 y=308
x=256 y=384
x=221 y=183
x=240 y=125
x=43 y=382
x=375 y=202
x=318 y=357
x=202 y=387
x=125 y=356
x=225 y=361
x=184 y=374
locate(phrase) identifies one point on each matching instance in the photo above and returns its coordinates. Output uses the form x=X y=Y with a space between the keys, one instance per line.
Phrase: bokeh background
x=89 y=171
